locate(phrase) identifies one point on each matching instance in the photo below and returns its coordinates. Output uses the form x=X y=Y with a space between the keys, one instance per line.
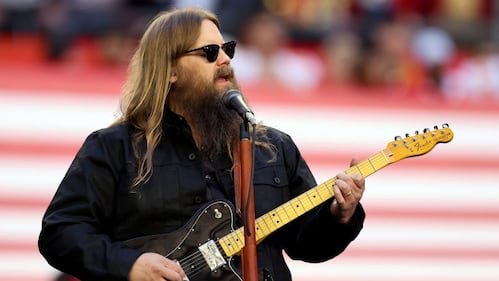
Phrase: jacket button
x=198 y=199
x=277 y=180
x=192 y=156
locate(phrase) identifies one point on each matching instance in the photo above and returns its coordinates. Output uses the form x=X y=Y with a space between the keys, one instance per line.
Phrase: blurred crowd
x=445 y=46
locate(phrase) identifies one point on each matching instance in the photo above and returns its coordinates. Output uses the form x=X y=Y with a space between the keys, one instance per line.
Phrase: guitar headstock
x=419 y=144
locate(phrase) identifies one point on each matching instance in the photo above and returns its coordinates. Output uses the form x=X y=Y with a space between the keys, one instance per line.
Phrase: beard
x=216 y=125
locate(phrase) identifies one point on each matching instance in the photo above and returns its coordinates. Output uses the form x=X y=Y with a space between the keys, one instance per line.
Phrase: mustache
x=226 y=72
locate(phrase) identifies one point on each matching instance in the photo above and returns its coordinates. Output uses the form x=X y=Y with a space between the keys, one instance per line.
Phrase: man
x=169 y=154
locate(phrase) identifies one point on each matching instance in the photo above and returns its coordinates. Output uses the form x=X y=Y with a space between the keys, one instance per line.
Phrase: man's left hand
x=348 y=190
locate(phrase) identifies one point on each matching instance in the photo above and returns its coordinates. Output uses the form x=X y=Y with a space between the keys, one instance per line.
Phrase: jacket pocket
x=271 y=188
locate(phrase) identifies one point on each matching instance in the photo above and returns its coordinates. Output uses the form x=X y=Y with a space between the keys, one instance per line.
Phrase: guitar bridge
x=212 y=255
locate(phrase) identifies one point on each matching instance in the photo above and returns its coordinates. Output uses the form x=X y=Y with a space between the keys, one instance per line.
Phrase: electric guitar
x=206 y=245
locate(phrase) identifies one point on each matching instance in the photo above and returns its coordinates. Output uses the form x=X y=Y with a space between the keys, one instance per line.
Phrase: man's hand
x=154 y=267
x=348 y=191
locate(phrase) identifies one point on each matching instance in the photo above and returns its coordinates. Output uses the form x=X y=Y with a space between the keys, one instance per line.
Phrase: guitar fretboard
x=233 y=242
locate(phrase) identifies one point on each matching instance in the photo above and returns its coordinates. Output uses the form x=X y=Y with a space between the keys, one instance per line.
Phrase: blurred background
x=342 y=77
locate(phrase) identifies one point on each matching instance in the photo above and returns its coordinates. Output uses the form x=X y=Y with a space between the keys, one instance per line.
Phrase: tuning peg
x=407 y=135
x=417 y=132
x=435 y=127
x=445 y=125
x=398 y=138
x=426 y=130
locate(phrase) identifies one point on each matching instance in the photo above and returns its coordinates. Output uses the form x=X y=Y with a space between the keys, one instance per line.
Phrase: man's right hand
x=154 y=267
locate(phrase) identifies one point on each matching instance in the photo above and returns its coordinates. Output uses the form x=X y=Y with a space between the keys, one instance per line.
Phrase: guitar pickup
x=212 y=255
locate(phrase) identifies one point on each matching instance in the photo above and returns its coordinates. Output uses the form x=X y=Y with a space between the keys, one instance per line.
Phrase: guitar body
x=214 y=220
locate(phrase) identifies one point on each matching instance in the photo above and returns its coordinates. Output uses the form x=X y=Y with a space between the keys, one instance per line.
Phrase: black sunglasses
x=211 y=51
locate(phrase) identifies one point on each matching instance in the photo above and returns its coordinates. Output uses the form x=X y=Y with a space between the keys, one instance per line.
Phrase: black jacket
x=94 y=210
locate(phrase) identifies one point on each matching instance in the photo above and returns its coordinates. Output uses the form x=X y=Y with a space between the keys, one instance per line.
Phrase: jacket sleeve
x=74 y=237
x=316 y=236
x=319 y=237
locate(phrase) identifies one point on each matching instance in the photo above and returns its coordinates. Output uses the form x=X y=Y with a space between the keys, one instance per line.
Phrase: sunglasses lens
x=211 y=52
x=229 y=48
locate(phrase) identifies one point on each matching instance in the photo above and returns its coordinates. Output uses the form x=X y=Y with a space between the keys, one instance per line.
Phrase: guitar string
x=193 y=264
x=192 y=259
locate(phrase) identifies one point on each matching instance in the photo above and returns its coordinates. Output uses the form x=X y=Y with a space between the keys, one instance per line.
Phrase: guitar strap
x=237 y=180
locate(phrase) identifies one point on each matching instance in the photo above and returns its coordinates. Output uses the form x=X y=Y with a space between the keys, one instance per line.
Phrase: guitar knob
x=218 y=214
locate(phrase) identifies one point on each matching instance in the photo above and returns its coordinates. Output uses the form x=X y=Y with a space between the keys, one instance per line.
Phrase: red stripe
x=31 y=203
x=34 y=148
x=58 y=79
x=19 y=247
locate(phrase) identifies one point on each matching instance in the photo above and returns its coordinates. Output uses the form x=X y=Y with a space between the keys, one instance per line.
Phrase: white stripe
x=396 y=269
x=369 y=130
x=53 y=118
x=14 y=265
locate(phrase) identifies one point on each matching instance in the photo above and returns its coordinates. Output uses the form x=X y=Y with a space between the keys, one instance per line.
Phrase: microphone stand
x=246 y=196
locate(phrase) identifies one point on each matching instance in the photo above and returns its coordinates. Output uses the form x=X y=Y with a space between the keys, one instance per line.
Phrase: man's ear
x=173 y=76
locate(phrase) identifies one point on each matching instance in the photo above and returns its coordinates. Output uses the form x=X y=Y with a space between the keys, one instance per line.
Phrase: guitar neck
x=233 y=242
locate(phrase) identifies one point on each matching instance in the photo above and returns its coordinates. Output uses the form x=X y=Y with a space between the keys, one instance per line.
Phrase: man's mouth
x=223 y=78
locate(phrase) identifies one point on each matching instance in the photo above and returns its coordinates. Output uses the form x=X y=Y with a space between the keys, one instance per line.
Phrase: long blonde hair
x=144 y=95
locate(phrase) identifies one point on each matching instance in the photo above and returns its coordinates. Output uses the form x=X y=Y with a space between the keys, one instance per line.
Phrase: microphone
x=234 y=100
